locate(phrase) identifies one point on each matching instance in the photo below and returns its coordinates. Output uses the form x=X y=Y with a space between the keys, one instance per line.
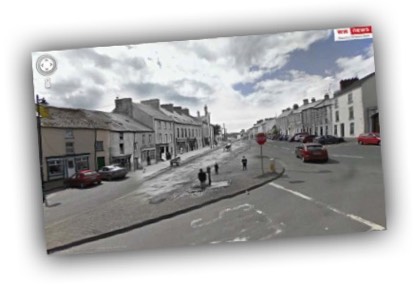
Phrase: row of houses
x=351 y=111
x=132 y=135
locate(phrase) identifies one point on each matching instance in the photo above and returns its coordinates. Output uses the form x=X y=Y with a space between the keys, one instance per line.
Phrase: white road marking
x=372 y=225
x=347 y=156
x=286 y=148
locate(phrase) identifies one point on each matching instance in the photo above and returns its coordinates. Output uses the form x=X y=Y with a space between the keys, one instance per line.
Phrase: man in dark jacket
x=202 y=178
x=244 y=162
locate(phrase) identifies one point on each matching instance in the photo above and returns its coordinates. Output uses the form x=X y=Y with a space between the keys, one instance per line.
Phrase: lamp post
x=39 y=138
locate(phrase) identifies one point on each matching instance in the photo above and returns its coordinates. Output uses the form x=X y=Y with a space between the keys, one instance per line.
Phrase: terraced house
x=76 y=139
x=148 y=112
x=187 y=129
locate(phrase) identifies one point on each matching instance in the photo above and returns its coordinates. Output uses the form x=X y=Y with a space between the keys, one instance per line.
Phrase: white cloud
x=192 y=73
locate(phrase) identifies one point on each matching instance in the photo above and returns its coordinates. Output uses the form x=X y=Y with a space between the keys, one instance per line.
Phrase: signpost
x=261 y=140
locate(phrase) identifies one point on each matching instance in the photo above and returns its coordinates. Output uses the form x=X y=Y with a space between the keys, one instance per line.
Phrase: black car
x=328 y=139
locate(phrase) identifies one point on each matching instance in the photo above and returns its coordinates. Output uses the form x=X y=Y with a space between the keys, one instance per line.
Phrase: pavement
x=132 y=211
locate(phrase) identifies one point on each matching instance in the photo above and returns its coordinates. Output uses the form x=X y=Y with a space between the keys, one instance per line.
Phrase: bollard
x=272 y=165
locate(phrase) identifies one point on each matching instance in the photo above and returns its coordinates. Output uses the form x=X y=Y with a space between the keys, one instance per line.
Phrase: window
x=159 y=137
x=165 y=138
x=69 y=134
x=178 y=132
x=55 y=168
x=336 y=103
x=185 y=132
x=335 y=130
x=135 y=146
x=337 y=116
x=171 y=138
x=350 y=99
x=70 y=147
x=82 y=162
x=121 y=136
x=351 y=129
x=149 y=139
x=159 y=124
x=351 y=113
x=143 y=139
x=121 y=148
x=99 y=146
x=326 y=130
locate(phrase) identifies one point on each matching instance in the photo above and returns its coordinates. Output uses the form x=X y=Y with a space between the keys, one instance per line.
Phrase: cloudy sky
x=241 y=79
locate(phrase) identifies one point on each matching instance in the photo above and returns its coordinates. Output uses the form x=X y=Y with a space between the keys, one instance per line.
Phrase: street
x=344 y=195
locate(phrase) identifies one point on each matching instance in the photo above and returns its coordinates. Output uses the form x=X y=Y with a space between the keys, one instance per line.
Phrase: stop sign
x=261 y=138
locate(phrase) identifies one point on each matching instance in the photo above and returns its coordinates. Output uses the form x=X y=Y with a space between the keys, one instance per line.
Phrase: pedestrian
x=216 y=168
x=244 y=162
x=209 y=175
x=148 y=160
x=202 y=178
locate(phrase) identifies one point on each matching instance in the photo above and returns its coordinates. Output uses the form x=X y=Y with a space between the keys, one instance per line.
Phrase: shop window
x=55 y=168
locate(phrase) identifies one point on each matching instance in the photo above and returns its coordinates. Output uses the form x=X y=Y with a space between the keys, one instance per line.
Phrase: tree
x=217 y=130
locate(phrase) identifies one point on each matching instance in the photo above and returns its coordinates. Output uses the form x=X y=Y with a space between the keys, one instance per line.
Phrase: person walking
x=209 y=175
x=216 y=168
x=244 y=163
x=202 y=178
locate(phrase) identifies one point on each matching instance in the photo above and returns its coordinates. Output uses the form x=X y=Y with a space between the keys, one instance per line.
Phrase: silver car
x=110 y=172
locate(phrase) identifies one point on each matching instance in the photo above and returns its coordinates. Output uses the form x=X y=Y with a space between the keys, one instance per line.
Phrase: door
x=70 y=166
x=101 y=162
x=342 y=130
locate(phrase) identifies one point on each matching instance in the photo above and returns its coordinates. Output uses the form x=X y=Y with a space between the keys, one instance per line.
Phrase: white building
x=355 y=108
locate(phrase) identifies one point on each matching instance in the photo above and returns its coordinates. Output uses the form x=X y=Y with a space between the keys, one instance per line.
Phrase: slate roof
x=156 y=114
x=88 y=119
x=180 y=118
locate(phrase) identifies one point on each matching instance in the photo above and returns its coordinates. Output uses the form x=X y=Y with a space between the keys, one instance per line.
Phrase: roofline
x=353 y=85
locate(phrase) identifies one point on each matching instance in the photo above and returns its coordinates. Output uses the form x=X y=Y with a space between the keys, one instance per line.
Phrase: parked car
x=311 y=152
x=83 y=178
x=296 y=137
x=307 y=139
x=328 y=139
x=110 y=172
x=369 y=138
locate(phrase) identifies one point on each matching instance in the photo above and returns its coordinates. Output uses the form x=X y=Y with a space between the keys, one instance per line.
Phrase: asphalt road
x=342 y=196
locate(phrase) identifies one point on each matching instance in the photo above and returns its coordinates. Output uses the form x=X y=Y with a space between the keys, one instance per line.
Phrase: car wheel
x=379 y=142
x=82 y=185
x=303 y=159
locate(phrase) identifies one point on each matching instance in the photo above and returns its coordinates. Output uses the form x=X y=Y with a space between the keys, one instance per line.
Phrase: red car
x=308 y=138
x=369 y=138
x=311 y=152
x=83 y=178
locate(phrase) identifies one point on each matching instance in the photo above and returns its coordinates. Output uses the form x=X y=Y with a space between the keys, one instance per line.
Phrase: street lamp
x=39 y=138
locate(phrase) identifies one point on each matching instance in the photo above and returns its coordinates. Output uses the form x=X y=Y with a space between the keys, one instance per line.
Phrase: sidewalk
x=130 y=212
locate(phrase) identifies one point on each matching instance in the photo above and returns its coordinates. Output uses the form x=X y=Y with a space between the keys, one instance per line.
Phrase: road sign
x=261 y=138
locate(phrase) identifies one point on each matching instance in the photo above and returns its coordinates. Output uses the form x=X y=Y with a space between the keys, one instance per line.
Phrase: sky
x=241 y=79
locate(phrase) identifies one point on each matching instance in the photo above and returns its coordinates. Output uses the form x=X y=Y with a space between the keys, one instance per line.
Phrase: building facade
x=355 y=108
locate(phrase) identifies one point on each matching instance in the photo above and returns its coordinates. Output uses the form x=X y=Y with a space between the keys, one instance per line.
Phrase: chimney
x=186 y=112
x=305 y=101
x=295 y=106
x=168 y=107
x=178 y=110
x=123 y=106
x=154 y=103
x=198 y=114
x=205 y=110
x=313 y=100
x=326 y=97
x=347 y=82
